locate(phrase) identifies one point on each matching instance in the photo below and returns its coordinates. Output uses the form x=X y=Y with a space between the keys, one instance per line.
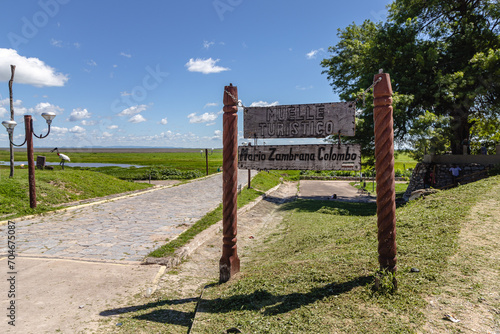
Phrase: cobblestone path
x=125 y=229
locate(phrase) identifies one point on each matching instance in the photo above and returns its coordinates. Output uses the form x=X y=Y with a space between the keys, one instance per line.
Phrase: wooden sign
x=318 y=120
x=302 y=157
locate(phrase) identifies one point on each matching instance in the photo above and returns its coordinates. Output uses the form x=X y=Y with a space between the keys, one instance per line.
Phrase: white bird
x=63 y=157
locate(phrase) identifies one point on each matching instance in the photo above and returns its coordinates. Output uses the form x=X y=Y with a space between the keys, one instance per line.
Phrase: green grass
x=54 y=188
x=317 y=274
x=178 y=160
x=371 y=187
x=261 y=183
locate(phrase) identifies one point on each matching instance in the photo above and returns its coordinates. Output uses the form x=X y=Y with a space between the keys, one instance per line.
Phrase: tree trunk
x=460 y=128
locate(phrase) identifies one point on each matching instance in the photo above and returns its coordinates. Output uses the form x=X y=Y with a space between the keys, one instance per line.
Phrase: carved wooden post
x=384 y=156
x=229 y=263
x=31 y=162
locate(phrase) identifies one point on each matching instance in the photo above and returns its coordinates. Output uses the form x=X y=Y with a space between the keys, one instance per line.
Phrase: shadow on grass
x=169 y=316
x=257 y=300
x=354 y=208
x=278 y=304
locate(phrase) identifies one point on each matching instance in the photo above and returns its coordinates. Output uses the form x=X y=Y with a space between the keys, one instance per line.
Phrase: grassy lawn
x=178 y=160
x=54 y=188
x=317 y=275
x=371 y=187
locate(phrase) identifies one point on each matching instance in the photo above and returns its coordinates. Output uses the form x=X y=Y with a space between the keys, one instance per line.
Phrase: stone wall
x=442 y=177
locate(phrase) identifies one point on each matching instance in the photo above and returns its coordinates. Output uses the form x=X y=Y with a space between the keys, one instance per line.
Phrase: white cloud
x=314 y=53
x=46 y=107
x=19 y=109
x=106 y=134
x=263 y=104
x=31 y=71
x=303 y=88
x=56 y=43
x=78 y=114
x=137 y=119
x=55 y=130
x=164 y=121
x=205 y=66
x=133 y=110
x=210 y=104
x=89 y=123
x=217 y=135
x=91 y=62
x=126 y=55
x=207 y=44
x=77 y=45
x=77 y=130
x=125 y=93
x=206 y=117
x=112 y=127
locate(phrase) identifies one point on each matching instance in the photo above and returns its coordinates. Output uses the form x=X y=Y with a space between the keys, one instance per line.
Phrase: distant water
x=73 y=164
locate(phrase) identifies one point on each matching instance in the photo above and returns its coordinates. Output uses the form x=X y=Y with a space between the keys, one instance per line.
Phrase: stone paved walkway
x=125 y=229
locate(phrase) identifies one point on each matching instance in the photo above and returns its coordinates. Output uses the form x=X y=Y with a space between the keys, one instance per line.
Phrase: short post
x=249 y=179
x=206 y=159
x=31 y=161
x=40 y=162
x=229 y=263
x=384 y=165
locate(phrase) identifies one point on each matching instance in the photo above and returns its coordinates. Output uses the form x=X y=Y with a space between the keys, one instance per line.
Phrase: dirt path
x=473 y=293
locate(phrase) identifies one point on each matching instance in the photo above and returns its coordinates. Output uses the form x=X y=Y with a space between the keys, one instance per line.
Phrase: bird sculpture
x=63 y=157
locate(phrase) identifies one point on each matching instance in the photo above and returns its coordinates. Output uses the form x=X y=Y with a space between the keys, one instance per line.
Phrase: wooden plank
x=302 y=157
x=318 y=120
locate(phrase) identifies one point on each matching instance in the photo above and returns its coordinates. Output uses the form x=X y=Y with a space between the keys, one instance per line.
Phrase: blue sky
x=152 y=73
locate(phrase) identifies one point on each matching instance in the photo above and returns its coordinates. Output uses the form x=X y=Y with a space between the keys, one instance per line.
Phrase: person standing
x=455 y=173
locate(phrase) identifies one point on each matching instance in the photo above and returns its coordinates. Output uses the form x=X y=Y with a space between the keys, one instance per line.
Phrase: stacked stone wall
x=441 y=176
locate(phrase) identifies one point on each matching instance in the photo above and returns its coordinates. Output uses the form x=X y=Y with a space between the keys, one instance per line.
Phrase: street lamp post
x=28 y=125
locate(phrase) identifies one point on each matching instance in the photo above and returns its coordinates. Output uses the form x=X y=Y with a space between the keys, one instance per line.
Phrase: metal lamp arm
x=41 y=136
x=17 y=145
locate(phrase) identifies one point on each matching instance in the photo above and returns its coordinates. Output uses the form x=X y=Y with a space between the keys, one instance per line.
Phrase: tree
x=442 y=57
x=429 y=134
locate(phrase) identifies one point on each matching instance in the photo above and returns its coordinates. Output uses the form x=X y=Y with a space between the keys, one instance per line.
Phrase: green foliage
x=442 y=56
x=430 y=133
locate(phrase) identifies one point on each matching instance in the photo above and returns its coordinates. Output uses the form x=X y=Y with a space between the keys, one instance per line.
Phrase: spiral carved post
x=229 y=263
x=384 y=155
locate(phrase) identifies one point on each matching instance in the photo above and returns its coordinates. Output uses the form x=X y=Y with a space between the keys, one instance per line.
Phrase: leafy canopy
x=443 y=57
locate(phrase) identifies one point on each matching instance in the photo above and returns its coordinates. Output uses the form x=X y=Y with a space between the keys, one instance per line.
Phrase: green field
x=160 y=165
x=179 y=160
x=55 y=188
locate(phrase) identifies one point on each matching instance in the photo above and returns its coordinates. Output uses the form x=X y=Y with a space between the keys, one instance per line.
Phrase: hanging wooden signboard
x=318 y=120
x=302 y=157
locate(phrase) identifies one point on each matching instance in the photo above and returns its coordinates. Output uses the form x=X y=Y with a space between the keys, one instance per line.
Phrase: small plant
x=385 y=282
